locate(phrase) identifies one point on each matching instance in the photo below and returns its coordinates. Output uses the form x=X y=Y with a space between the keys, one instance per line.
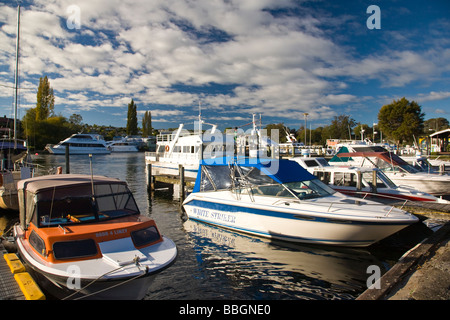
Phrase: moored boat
x=364 y=182
x=83 y=236
x=121 y=146
x=398 y=170
x=80 y=143
x=280 y=199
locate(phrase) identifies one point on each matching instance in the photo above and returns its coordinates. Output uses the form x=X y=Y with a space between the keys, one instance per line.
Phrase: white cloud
x=277 y=64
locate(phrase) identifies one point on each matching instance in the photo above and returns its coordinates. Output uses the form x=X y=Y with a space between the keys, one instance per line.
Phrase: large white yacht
x=80 y=143
x=187 y=149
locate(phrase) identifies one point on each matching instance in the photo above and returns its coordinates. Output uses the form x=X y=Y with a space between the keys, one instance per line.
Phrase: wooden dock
x=178 y=183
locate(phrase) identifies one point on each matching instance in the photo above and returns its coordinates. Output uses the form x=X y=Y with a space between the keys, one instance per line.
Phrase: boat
x=121 y=146
x=281 y=200
x=398 y=170
x=13 y=151
x=14 y=167
x=364 y=182
x=83 y=237
x=80 y=143
x=184 y=148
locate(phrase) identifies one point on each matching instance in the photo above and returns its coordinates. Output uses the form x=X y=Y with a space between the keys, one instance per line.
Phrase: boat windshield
x=65 y=206
x=252 y=180
x=387 y=167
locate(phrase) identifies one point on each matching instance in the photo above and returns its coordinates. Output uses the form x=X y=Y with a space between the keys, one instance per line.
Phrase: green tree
x=147 y=124
x=45 y=100
x=401 y=120
x=340 y=128
x=435 y=124
x=132 y=123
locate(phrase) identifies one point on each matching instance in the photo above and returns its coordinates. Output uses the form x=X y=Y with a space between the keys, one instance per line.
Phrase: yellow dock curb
x=15 y=265
x=29 y=288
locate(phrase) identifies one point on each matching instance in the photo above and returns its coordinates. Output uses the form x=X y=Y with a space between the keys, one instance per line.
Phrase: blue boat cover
x=280 y=170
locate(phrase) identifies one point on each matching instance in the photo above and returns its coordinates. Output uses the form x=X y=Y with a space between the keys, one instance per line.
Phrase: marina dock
x=15 y=282
x=179 y=183
x=422 y=273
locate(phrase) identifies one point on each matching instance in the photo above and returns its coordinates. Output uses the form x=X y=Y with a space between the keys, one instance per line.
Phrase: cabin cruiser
x=187 y=149
x=280 y=199
x=363 y=182
x=80 y=143
x=82 y=236
x=398 y=170
x=121 y=146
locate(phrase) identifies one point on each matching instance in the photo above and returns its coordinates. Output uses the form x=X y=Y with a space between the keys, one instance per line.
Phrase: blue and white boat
x=280 y=199
x=80 y=143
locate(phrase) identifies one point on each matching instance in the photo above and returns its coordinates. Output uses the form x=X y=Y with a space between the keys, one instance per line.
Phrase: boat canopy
x=279 y=170
x=54 y=200
x=386 y=156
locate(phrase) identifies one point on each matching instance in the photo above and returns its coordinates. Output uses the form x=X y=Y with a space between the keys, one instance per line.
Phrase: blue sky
x=277 y=58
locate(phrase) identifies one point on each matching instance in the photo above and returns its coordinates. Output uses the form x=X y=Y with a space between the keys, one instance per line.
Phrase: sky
x=276 y=58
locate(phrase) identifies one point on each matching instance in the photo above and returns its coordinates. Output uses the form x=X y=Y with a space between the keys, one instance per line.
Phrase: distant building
x=440 y=140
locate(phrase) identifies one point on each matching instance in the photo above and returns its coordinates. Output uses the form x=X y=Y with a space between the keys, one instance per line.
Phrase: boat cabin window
x=382 y=180
x=323 y=162
x=37 y=243
x=325 y=177
x=74 y=249
x=76 y=204
x=310 y=163
x=145 y=236
x=345 y=179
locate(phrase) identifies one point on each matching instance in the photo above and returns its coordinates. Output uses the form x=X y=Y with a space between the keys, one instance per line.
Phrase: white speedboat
x=121 y=146
x=83 y=236
x=280 y=199
x=398 y=170
x=364 y=182
x=80 y=143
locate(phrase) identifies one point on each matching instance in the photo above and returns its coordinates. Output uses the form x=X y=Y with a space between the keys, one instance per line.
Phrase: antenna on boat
x=199 y=117
x=16 y=77
x=92 y=175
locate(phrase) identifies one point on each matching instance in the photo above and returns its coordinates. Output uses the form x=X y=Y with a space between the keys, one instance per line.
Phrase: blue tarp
x=282 y=170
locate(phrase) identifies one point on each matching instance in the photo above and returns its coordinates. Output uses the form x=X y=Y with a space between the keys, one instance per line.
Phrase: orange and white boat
x=83 y=236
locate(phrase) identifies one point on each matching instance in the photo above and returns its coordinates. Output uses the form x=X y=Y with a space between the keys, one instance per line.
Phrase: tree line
x=400 y=122
x=41 y=126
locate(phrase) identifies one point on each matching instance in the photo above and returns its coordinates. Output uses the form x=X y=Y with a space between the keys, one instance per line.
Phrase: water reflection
x=214 y=263
x=267 y=269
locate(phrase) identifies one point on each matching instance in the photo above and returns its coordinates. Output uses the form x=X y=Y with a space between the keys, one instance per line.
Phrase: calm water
x=214 y=263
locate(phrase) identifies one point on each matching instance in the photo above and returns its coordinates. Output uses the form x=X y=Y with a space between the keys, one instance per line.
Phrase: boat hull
x=281 y=222
x=433 y=184
x=58 y=288
x=78 y=150
x=98 y=279
x=168 y=168
x=9 y=199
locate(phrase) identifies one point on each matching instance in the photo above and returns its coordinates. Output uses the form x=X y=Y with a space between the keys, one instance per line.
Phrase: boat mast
x=16 y=80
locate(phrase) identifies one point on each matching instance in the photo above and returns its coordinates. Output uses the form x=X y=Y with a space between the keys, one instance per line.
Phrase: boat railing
x=165 y=137
x=335 y=204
